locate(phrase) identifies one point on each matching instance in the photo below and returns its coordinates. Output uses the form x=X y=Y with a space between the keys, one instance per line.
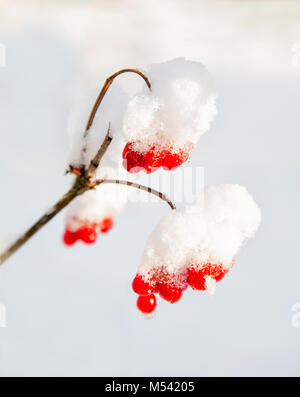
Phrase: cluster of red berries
x=87 y=232
x=151 y=160
x=166 y=288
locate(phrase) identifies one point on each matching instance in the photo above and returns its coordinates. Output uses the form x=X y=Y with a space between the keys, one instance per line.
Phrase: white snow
x=177 y=110
x=212 y=232
x=105 y=201
x=210 y=285
x=109 y=115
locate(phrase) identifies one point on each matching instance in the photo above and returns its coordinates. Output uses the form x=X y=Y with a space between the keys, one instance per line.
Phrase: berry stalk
x=147 y=189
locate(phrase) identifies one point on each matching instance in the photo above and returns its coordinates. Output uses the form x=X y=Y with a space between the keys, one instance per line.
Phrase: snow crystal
x=177 y=110
x=209 y=232
x=210 y=285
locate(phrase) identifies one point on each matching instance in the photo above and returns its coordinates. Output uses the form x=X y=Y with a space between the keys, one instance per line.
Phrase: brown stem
x=147 y=189
x=82 y=182
x=106 y=86
x=96 y=160
x=62 y=203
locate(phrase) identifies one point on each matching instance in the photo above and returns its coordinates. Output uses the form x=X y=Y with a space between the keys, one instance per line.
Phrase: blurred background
x=71 y=312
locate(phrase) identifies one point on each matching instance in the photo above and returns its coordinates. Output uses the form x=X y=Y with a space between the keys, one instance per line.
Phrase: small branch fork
x=83 y=181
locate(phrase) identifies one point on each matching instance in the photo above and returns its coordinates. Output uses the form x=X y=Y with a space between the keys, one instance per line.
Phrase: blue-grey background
x=72 y=311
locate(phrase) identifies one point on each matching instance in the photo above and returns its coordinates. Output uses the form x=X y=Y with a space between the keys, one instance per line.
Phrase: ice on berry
x=176 y=112
x=204 y=237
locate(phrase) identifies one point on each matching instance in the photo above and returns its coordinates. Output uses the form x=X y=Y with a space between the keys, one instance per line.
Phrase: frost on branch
x=163 y=125
x=197 y=245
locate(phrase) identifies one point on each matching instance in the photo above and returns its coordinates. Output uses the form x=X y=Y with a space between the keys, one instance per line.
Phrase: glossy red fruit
x=106 y=225
x=142 y=287
x=87 y=234
x=127 y=149
x=132 y=159
x=173 y=160
x=196 y=278
x=151 y=160
x=215 y=271
x=69 y=237
x=146 y=303
x=219 y=273
x=132 y=162
x=169 y=293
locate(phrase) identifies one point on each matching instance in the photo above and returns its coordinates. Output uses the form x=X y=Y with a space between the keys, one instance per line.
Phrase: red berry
x=173 y=160
x=151 y=160
x=132 y=159
x=196 y=278
x=169 y=293
x=142 y=287
x=106 y=225
x=127 y=149
x=132 y=162
x=87 y=234
x=70 y=237
x=219 y=273
x=146 y=304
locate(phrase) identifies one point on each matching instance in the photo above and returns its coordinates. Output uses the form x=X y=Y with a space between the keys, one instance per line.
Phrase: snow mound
x=212 y=231
x=177 y=110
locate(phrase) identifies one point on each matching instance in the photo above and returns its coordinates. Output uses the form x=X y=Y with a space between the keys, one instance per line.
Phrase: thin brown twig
x=147 y=189
x=62 y=203
x=107 y=140
x=96 y=160
x=82 y=182
x=106 y=86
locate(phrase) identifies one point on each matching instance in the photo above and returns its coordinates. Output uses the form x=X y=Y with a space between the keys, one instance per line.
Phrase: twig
x=108 y=139
x=62 y=203
x=147 y=189
x=96 y=160
x=106 y=86
x=83 y=180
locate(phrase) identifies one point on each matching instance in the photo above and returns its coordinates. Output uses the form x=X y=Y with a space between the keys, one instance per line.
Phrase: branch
x=62 y=203
x=147 y=189
x=106 y=86
x=82 y=182
x=96 y=160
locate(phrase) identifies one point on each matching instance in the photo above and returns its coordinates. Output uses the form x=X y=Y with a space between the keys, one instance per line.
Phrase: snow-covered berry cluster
x=163 y=125
x=196 y=246
x=154 y=129
x=86 y=232
x=152 y=159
